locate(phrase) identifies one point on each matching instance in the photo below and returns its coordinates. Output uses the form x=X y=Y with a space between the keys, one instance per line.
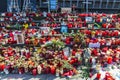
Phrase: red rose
x=104 y=25
x=109 y=60
x=34 y=71
x=70 y=25
x=98 y=76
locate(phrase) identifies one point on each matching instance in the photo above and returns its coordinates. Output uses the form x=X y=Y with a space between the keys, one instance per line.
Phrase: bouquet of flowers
x=55 y=44
x=67 y=65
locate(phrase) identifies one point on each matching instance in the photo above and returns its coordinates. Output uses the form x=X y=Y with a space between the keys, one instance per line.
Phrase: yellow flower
x=25 y=26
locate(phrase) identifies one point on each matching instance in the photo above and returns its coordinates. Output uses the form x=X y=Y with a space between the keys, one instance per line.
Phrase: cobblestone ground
x=31 y=77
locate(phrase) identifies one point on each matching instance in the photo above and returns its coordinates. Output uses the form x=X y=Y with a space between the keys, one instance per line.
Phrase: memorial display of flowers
x=61 y=44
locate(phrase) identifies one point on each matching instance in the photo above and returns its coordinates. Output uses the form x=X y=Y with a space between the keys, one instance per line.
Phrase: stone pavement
x=31 y=77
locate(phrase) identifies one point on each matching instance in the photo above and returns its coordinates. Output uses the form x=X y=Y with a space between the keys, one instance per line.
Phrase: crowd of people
x=86 y=38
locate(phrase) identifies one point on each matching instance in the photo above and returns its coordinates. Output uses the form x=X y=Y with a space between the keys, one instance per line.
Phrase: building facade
x=93 y=5
x=19 y=4
x=3 y=6
x=108 y=6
